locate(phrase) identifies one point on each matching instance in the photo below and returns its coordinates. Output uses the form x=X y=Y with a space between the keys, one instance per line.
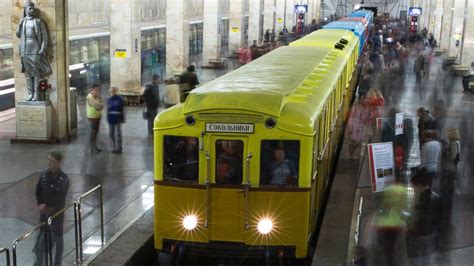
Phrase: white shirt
x=430 y=155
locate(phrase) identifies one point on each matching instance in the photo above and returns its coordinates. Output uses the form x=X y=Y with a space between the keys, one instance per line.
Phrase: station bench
x=217 y=63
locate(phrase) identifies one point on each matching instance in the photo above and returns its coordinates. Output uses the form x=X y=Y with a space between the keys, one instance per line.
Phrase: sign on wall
x=120 y=53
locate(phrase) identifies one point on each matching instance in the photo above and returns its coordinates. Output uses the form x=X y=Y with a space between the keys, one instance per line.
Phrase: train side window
x=181 y=159
x=279 y=162
x=229 y=161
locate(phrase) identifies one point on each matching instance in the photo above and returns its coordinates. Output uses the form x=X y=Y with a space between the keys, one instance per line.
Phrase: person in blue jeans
x=115 y=117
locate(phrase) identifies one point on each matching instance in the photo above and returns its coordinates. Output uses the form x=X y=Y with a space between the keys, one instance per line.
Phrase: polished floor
x=126 y=178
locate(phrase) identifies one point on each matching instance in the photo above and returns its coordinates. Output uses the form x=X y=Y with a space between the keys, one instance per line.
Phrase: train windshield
x=181 y=159
x=279 y=163
x=229 y=161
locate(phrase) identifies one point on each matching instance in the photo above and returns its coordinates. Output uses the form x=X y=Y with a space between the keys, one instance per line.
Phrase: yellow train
x=242 y=166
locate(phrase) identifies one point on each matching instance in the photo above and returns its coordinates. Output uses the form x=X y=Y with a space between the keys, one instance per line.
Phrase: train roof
x=358 y=19
x=291 y=84
x=368 y=14
x=329 y=38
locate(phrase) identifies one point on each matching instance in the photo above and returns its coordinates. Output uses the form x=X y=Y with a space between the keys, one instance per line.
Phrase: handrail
x=246 y=193
x=50 y=222
x=7 y=255
x=79 y=217
x=208 y=189
x=26 y=235
x=359 y=214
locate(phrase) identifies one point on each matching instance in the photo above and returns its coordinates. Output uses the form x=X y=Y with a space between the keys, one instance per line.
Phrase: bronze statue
x=33 y=47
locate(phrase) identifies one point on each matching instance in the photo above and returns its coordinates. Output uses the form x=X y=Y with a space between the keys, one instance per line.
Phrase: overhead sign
x=415 y=11
x=120 y=53
x=382 y=167
x=301 y=8
x=399 y=124
x=229 y=128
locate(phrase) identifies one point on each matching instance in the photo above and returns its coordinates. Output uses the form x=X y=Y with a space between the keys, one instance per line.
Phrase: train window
x=181 y=159
x=279 y=162
x=229 y=161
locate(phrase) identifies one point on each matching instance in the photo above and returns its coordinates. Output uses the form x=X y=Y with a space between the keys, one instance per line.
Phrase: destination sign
x=229 y=128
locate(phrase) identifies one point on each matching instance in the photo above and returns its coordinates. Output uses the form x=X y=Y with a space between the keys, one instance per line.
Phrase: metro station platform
x=454 y=242
x=128 y=194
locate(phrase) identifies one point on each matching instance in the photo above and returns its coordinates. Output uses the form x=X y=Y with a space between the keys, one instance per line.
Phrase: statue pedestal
x=33 y=121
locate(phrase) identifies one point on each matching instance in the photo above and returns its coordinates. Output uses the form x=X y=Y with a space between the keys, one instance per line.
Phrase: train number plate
x=229 y=128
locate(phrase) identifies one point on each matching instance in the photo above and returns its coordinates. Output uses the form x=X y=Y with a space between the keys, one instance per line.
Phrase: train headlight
x=190 y=222
x=265 y=226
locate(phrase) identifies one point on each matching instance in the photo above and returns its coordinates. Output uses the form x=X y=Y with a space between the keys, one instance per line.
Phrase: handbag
x=145 y=113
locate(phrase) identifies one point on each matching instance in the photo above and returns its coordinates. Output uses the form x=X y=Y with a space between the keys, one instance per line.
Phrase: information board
x=382 y=167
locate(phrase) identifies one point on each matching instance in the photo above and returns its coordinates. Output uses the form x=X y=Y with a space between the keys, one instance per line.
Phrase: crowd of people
x=373 y=119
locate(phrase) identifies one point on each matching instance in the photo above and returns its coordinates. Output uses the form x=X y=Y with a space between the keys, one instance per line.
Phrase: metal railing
x=79 y=217
x=359 y=215
x=76 y=205
x=50 y=222
x=7 y=255
x=28 y=234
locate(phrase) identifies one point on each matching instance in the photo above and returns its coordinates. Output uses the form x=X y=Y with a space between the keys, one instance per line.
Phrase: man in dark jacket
x=189 y=81
x=51 y=193
x=115 y=117
x=151 y=96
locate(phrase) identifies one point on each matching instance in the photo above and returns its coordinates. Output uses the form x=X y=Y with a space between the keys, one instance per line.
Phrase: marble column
x=290 y=14
x=457 y=26
x=279 y=15
x=467 y=54
x=430 y=15
x=255 y=14
x=269 y=15
x=317 y=10
x=55 y=16
x=211 y=33
x=125 y=46
x=177 y=37
x=236 y=24
x=446 y=25
x=438 y=20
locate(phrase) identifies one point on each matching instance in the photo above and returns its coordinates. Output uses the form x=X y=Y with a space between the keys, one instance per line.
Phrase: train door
x=228 y=166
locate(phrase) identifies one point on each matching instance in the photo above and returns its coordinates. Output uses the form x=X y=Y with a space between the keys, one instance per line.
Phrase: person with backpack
x=449 y=167
x=151 y=96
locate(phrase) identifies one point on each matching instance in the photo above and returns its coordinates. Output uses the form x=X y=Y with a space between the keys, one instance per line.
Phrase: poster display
x=382 y=168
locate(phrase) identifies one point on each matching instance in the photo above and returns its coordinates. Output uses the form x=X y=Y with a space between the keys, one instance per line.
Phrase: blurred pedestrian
x=430 y=157
x=190 y=80
x=449 y=170
x=389 y=225
x=423 y=227
x=425 y=121
x=151 y=96
x=115 y=117
x=419 y=68
x=51 y=191
x=266 y=36
x=94 y=106
x=356 y=127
